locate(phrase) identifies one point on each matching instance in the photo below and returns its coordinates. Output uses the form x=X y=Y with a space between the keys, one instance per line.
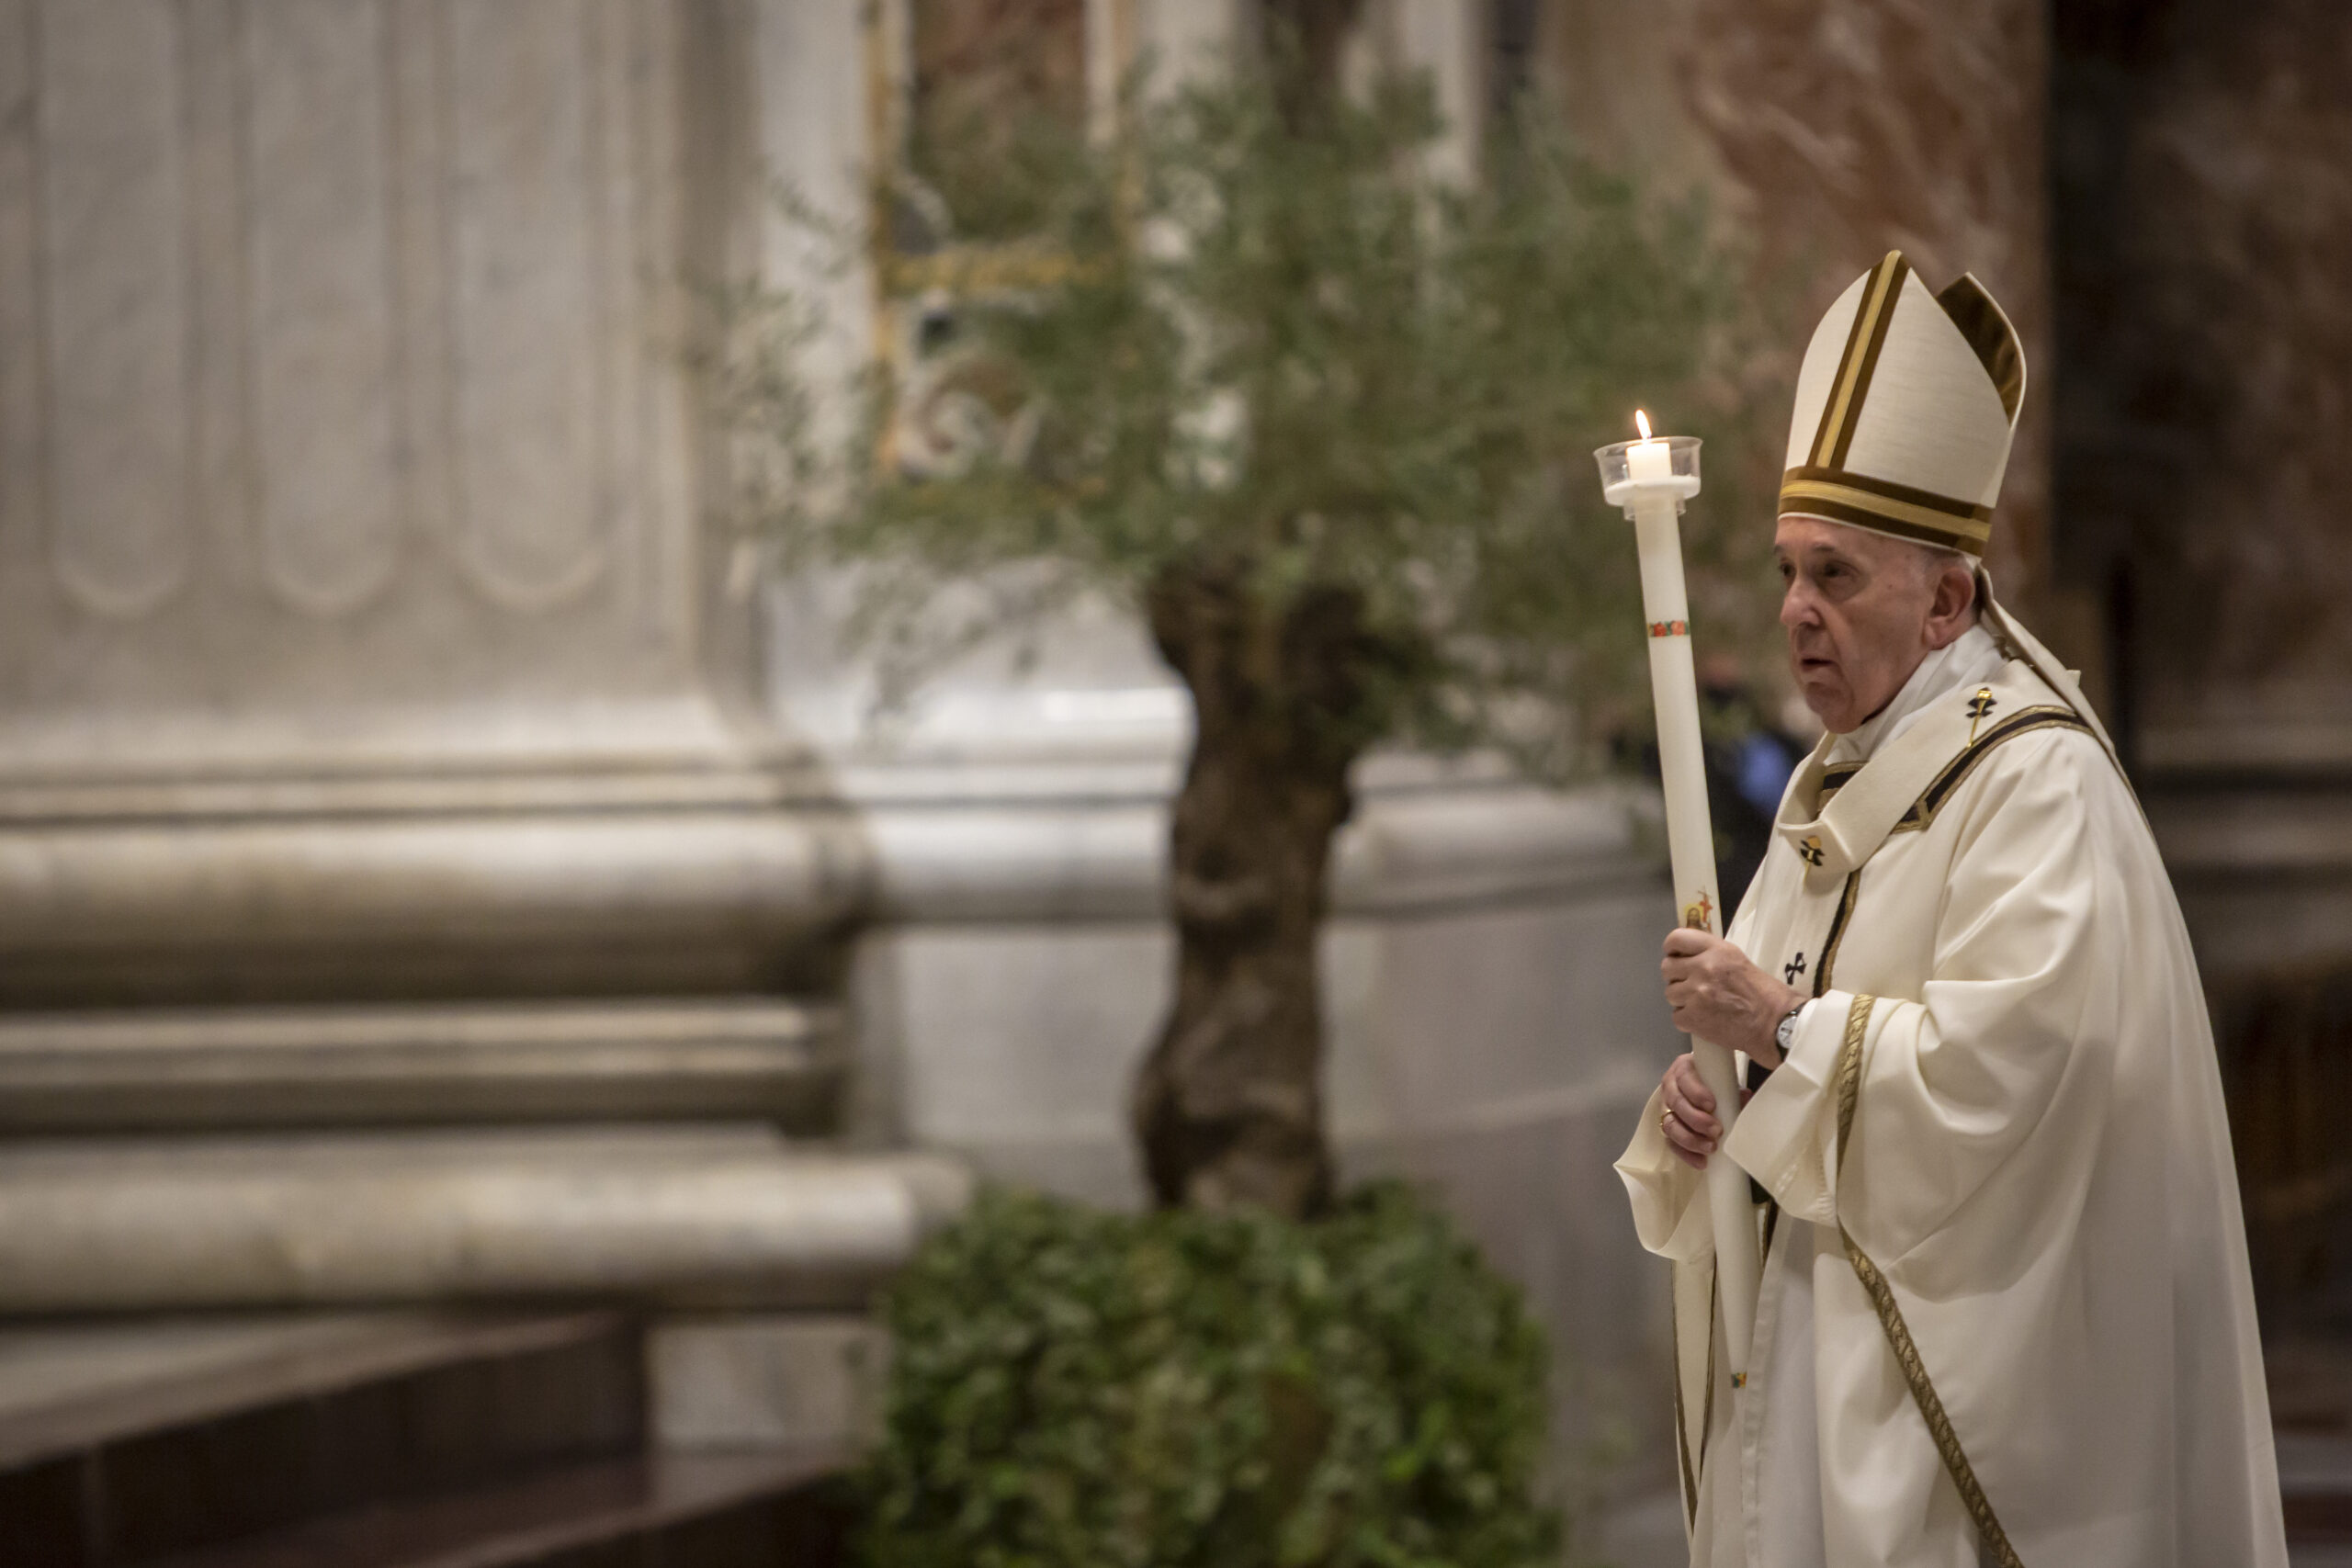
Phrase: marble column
x=360 y=630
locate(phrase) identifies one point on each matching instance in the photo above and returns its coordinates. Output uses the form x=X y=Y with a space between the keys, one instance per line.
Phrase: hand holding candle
x=1651 y=478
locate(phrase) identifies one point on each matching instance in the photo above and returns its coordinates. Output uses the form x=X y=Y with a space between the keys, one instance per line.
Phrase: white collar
x=1973 y=656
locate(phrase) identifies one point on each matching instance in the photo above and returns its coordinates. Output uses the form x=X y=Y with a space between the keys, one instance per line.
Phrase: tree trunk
x=1228 y=1106
x=1307 y=38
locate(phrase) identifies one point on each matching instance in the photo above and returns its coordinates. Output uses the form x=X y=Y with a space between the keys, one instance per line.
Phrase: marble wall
x=2205 y=157
x=2199 y=157
x=1828 y=132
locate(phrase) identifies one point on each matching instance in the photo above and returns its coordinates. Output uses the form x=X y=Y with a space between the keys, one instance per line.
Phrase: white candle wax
x=1649 y=462
x=1652 y=494
x=1649 y=472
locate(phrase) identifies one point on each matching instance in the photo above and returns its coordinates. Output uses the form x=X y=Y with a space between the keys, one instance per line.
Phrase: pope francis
x=2005 y=1315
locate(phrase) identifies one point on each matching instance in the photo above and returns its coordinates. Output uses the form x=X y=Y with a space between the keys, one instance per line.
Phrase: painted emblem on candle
x=1810 y=852
x=1701 y=916
x=1669 y=628
x=1978 y=706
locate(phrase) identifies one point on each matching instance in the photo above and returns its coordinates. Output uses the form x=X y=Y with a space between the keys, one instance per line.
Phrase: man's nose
x=1797 y=608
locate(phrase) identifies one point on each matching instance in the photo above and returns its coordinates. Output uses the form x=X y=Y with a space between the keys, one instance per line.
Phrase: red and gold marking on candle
x=1669 y=628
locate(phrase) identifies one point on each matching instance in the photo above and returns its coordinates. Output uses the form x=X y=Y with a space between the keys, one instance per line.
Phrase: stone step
x=708 y=1215
x=733 y=1381
x=127 y=1442
x=775 y=1510
x=251 y=1068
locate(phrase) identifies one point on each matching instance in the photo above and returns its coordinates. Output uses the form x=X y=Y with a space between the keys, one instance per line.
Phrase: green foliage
x=1077 y=1389
x=1282 y=339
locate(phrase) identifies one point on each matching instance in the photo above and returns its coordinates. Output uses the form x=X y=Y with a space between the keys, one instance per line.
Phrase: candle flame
x=1641 y=424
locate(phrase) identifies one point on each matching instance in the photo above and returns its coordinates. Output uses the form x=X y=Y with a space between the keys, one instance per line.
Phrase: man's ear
x=1953 y=609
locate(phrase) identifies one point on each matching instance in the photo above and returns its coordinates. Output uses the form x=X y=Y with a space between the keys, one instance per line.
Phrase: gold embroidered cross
x=1978 y=706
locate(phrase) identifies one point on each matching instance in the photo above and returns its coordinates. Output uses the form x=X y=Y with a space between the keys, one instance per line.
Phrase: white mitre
x=1906 y=404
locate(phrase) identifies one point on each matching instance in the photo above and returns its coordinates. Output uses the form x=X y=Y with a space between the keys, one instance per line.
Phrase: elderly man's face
x=1861 y=610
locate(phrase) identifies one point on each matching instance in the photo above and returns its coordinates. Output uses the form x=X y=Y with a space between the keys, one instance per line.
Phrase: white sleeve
x=1949 y=1084
x=1661 y=1188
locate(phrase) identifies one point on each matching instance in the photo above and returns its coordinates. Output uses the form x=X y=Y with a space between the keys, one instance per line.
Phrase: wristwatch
x=1784 y=1033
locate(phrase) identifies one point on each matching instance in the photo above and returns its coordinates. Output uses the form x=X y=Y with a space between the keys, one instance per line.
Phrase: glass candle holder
x=1632 y=471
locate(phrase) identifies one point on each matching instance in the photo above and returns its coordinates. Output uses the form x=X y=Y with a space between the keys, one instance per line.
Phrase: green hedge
x=1078 y=1389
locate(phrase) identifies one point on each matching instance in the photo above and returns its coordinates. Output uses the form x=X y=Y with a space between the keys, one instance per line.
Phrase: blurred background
x=481 y=1008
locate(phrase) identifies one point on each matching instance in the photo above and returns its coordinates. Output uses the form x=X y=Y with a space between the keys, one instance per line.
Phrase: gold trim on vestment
x=1707 y=1412
x=1837 y=930
x=1890 y=1314
x=1920 y=814
x=1682 y=1423
x=1850 y=1068
x=1868 y=337
x=1978 y=706
x=1715 y=1334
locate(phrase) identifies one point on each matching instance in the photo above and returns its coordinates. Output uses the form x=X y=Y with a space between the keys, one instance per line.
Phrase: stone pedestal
x=380 y=741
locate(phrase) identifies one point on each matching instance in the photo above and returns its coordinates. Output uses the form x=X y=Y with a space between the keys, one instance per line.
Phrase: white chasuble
x=2005 y=1314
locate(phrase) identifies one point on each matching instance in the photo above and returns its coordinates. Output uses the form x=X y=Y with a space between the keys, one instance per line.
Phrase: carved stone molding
x=320 y=326
x=110 y=278
x=342 y=370
x=213 y=1068
x=534 y=123
x=723 y=1215
x=390 y=259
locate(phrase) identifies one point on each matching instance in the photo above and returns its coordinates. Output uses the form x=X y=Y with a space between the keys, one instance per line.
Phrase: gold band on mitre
x=1918 y=515
x=1906 y=410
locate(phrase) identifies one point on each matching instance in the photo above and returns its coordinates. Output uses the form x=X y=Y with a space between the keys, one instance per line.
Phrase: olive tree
x=1322 y=417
